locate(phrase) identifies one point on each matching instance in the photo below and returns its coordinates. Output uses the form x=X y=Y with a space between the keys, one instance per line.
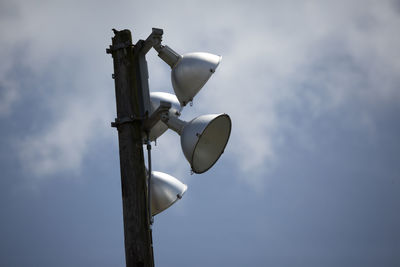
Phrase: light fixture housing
x=165 y=191
x=155 y=98
x=191 y=72
x=203 y=139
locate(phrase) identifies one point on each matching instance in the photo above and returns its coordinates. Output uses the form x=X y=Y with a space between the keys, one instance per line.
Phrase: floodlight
x=203 y=139
x=189 y=72
x=155 y=98
x=165 y=191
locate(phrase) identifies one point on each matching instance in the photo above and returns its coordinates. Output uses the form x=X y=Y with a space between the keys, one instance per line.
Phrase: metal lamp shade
x=155 y=98
x=191 y=73
x=204 y=139
x=165 y=191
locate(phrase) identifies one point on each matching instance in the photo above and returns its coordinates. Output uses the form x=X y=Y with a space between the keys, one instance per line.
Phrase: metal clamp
x=123 y=120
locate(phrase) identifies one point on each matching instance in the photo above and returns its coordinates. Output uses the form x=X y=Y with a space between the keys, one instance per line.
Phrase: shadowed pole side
x=137 y=235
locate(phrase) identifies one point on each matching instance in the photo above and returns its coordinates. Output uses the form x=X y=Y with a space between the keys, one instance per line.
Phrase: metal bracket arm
x=164 y=52
x=168 y=55
x=174 y=123
x=154 y=40
x=156 y=116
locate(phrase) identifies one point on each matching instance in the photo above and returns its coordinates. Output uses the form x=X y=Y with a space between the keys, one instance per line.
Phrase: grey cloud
x=311 y=57
x=309 y=177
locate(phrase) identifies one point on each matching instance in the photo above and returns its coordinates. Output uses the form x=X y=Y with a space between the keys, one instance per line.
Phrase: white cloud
x=316 y=58
x=300 y=57
x=63 y=145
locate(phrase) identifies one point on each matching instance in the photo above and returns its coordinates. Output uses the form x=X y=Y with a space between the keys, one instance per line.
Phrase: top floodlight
x=189 y=72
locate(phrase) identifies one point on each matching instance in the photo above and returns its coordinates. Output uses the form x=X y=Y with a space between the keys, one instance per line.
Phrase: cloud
x=8 y=95
x=63 y=145
x=48 y=58
x=307 y=61
x=285 y=61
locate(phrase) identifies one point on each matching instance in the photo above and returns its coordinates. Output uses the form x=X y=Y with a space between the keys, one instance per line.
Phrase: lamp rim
x=223 y=150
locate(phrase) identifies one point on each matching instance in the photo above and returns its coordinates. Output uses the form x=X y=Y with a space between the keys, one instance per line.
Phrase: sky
x=310 y=176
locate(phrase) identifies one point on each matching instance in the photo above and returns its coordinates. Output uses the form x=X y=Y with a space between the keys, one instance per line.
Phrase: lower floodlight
x=190 y=74
x=175 y=111
x=165 y=191
x=203 y=139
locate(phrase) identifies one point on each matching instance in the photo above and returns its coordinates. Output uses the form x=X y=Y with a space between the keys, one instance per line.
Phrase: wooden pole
x=137 y=232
